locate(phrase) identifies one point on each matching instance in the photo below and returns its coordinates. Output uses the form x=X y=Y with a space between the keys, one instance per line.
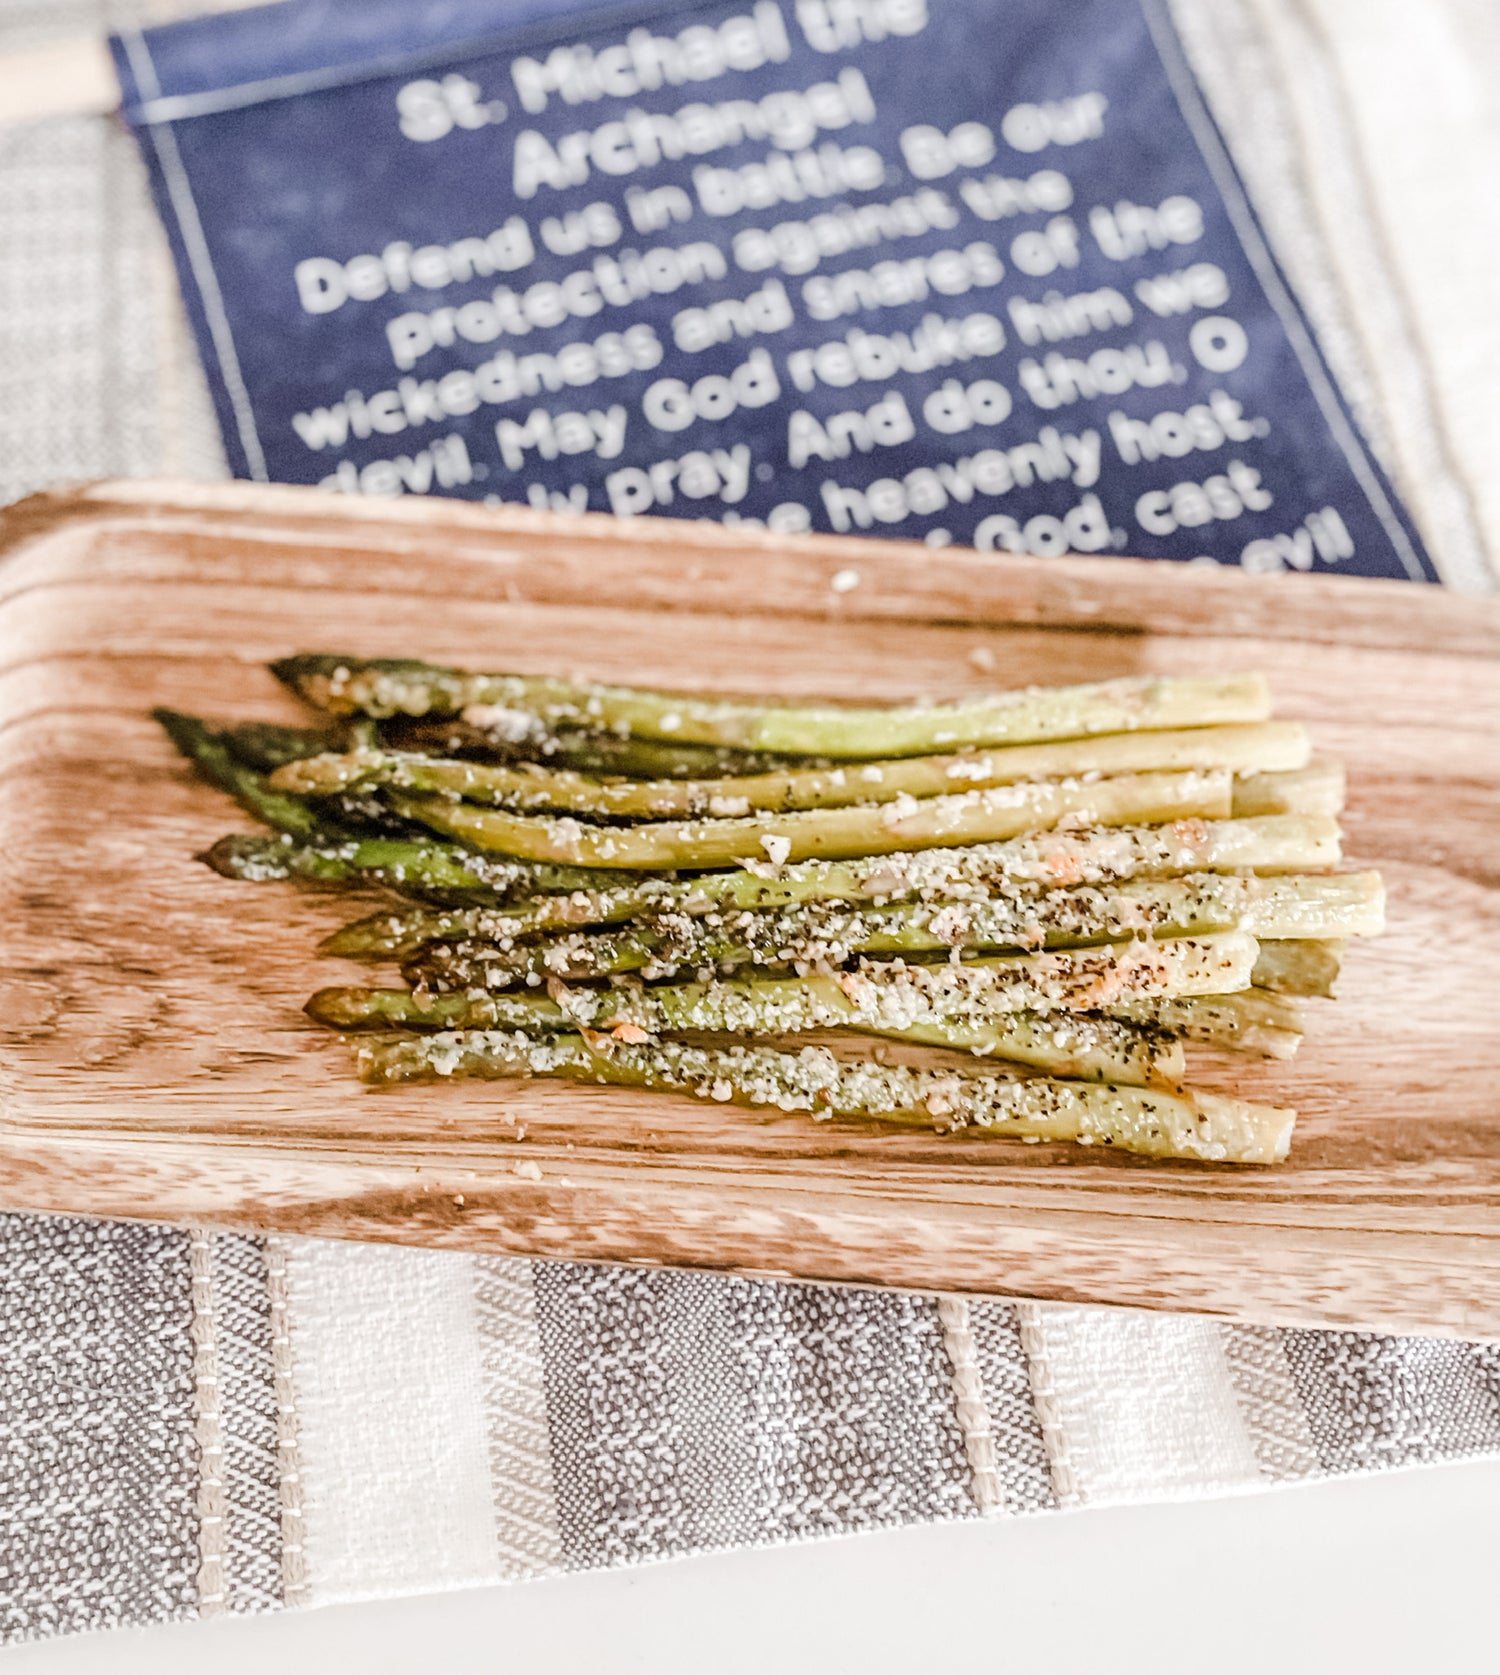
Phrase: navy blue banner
x=938 y=269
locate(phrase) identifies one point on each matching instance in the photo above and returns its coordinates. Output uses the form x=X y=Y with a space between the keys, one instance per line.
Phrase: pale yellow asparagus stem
x=664 y=945
x=1316 y=789
x=973 y=817
x=1037 y=714
x=1041 y=861
x=526 y=788
x=892 y=995
x=1085 y=1047
x=1304 y=967
x=1202 y=1127
x=1251 y=1021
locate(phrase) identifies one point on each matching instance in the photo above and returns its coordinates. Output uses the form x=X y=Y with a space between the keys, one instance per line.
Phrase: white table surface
x=1390 y=1573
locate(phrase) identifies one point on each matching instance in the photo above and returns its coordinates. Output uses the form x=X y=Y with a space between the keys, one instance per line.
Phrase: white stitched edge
x=528 y=1533
x=179 y=189
x=969 y=1404
x=208 y=1429
x=1044 y=1397
x=294 y=1590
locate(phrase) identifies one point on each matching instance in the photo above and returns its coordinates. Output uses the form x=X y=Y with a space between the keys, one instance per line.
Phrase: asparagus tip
x=219 y=856
x=247 y=859
x=185 y=731
x=291 y=669
x=333 y=1009
x=348 y=942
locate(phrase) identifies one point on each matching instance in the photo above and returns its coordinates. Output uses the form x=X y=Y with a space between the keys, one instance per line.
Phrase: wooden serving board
x=154 y=1061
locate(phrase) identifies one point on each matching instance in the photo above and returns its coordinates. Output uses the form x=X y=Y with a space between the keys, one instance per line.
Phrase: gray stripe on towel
x=690 y=1411
x=1376 y=1403
x=98 y=1465
x=247 y=1393
x=1020 y=1447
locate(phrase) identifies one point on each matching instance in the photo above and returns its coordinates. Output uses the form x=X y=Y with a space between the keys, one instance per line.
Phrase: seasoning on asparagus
x=1086 y=1047
x=1024 y=865
x=832 y=833
x=1066 y=884
x=896 y=992
x=429 y=871
x=382 y=688
x=1203 y=1127
x=662 y=944
x=528 y=788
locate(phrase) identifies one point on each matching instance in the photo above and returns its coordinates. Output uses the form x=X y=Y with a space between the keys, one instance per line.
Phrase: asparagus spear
x=1198 y=1126
x=606 y=753
x=1076 y=979
x=266 y=746
x=1020 y=866
x=1093 y=1049
x=353 y=1010
x=208 y=752
x=431 y=871
x=385 y=688
x=221 y=758
x=528 y=788
x=1316 y=789
x=474 y=733
x=1194 y=906
x=973 y=817
x=1251 y=1021
x=1110 y=1047
x=1298 y=967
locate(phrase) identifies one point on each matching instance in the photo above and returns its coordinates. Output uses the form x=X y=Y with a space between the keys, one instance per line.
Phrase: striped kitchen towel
x=195 y=1423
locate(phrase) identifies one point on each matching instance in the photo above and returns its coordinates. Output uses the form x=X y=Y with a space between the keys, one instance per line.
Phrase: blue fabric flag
x=935 y=269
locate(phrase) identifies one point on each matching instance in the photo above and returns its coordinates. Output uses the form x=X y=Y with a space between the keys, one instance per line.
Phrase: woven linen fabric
x=195 y=1423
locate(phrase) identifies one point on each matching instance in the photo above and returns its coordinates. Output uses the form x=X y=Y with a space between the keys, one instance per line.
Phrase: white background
x=1389 y=1573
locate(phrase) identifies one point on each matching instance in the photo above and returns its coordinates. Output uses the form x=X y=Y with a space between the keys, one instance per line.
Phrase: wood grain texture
x=154 y=1060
